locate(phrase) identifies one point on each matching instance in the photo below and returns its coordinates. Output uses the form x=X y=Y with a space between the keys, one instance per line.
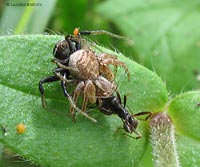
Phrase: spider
x=72 y=61
x=94 y=77
x=113 y=105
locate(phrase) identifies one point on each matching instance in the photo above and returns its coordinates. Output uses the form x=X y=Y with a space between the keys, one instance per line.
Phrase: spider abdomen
x=86 y=62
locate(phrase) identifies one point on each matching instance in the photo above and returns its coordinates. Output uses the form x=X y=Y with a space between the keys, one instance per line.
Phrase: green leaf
x=147 y=158
x=51 y=138
x=1 y=150
x=185 y=112
x=26 y=16
x=166 y=37
x=188 y=150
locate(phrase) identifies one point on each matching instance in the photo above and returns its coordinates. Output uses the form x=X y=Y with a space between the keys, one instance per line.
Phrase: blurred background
x=165 y=34
x=54 y=17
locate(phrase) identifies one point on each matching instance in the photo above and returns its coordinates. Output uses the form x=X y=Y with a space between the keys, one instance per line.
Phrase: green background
x=165 y=39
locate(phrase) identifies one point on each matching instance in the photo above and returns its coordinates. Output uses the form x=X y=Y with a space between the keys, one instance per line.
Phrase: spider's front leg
x=41 y=88
x=47 y=80
x=61 y=65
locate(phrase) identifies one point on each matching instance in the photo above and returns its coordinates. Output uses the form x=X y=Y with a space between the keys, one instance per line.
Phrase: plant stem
x=163 y=141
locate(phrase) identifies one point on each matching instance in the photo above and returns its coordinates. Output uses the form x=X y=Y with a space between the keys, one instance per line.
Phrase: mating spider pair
x=92 y=76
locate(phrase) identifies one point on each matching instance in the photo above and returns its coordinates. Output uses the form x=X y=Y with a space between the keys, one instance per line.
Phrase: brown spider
x=93 y=74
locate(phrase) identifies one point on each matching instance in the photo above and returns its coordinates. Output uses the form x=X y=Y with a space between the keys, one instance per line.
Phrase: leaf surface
x=166 y=37
x=51 y=138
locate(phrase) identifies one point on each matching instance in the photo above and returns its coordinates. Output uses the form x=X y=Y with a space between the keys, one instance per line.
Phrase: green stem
x=25 y=18
x=163 y=141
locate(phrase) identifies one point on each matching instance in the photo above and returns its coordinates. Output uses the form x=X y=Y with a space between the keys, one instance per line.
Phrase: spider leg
x=63 y=84
x=76 y=93
x=41 y=88
x=104 y=68
x=106 y=72
x=58 y=74
x=148 y=113
x=134 y=137
x=106 y=111
x=100 y=32
x=105 y=56
x=89 y=94
x=137 y=137
x=119 y=97
x=65 y=67
x=47 y=80
x=106 y=59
